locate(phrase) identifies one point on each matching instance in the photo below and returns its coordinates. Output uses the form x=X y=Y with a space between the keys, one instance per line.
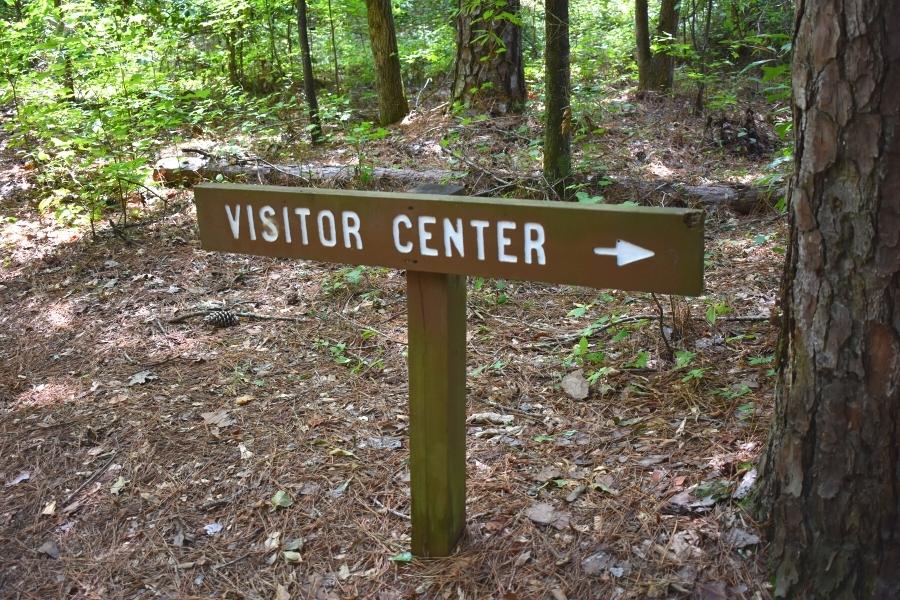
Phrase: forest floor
x=141 y=457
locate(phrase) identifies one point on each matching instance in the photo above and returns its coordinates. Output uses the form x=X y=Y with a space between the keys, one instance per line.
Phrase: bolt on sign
x=439 y=240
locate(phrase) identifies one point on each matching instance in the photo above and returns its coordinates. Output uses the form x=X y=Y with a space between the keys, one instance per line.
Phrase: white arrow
x=625 y=253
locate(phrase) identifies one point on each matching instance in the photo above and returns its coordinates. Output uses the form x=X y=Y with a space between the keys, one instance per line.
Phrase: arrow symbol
x=625 y=253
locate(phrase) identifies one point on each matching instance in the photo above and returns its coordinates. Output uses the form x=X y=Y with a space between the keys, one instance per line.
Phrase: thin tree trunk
x=489 y=69
x=701 y=82
x=392 y=105
x=662 y=63
x=309 y=83
x=830 y=476
x=334 y=54
x=68 y=71
x=558 y=128
x=642 y=40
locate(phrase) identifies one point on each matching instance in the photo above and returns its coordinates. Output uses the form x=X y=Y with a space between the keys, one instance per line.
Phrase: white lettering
x=408 y=246
x=479 y=226
x=534 y=243
x=286 y=224
x=425 y=235
x=270 y=228
x=251 y=224
x=234 y=219
x=455 y=235
x=329 y=241
x=302 y=213
x=503 y=241
x=350 y=225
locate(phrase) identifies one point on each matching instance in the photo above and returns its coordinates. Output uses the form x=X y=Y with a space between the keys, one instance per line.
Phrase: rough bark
x=489 y=70
x=309 y=83
x=831 y=472
x=558 y=127
x=656 y=70
x=642 y=41
x=392 y=105
x=662 y=63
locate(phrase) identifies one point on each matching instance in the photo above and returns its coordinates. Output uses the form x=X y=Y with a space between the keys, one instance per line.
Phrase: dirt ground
x=147 y=456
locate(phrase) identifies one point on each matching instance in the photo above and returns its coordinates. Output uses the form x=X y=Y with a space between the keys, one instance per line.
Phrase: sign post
x=439 y=240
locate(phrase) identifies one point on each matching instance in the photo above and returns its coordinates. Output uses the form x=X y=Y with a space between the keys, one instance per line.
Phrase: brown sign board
x=602 y=246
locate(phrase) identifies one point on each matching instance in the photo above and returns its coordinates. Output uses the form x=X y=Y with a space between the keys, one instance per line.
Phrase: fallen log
x=189 y=170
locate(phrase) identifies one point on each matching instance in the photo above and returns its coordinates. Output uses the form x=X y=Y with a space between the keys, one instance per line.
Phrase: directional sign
x=438 y=240
x=629 y=248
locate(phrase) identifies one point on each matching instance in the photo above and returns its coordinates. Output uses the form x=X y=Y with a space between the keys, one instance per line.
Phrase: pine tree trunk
x=334 y=55
x=489 y=70
x=830 y=480
x=309 y=83
x=392 y=105
x=68 y=71
x=642 y=40
x=662 y=63
x=558 y=127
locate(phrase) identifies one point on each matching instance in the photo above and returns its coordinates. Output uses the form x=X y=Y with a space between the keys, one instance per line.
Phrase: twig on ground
x=90 y=480
x=662 y=330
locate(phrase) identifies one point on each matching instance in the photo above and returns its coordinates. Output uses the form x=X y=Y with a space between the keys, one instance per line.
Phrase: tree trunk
x=662 y=63
x=68 y=71
x=334 y=55
x=642 y=40
x=392 y=105
x=309 y=83
x=830 y=480
x=558 y=128
x=489 y=69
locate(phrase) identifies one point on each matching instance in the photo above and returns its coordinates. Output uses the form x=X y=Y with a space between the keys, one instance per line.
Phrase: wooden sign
x=627 y=248
x=439 y=240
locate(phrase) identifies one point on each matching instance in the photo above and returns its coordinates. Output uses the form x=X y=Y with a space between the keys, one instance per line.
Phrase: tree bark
x=334 y=55
x=656 y=70
x=489 y=70
x=830 y=479
x=662 y=63
x=558 y=128
x=309 y=83
x=642 y=40
x=392 y=105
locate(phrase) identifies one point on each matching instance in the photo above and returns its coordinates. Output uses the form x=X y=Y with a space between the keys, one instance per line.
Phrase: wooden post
x=437 y=404
x=437 y=410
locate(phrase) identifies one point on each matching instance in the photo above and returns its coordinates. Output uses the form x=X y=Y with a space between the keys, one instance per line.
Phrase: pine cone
x=221 y=318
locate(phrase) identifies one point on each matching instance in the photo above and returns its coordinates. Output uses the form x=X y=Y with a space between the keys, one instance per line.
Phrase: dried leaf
x=746 y=484
x=49 y=548
x=218 y=418
x=245 y=454
x=490 y=418
x=212 y=528
x=541 y=513
x=244 y=400
x=291 y=556
x=741 y=539
x=282 y=593
x=118 y=485
x=23 y=476
x=273 y=540
x=50 y=509
x=576 y=386
x=141 y=378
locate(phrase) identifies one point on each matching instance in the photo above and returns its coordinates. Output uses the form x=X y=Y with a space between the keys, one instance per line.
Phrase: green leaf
x=683 y=358
x=281 y=499
x=543 y=438
x=403 y=557
x=643 y=358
